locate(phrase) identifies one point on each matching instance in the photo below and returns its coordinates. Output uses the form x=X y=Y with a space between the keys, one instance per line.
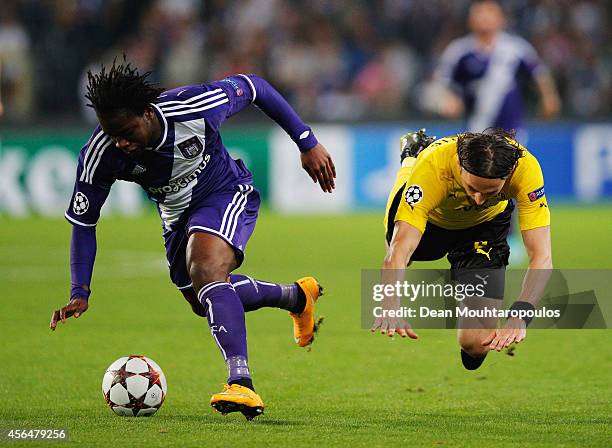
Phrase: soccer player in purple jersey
x=480 y=74
x=169 y=143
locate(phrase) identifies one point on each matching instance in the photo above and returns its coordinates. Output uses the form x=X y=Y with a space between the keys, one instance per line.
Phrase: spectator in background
x=183 y=43
x=335 y=60
x=387 y=79
x=480 y=74
x=15 y=66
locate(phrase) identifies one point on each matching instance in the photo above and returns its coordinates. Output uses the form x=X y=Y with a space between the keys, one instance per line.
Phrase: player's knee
x=471 y=343
x=475 y=351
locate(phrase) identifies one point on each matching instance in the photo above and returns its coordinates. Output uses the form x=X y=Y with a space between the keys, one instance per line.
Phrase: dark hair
x=491 y=154
x=121 y=88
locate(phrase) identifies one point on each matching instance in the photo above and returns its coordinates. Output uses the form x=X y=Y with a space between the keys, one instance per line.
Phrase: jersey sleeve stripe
x=91 y=155
x=252 y=86
x=99 y=157
x=192 y=99
x=78 y=223
x=198 y=104
x=201 y=109
x=86 y=175
x=90 y=150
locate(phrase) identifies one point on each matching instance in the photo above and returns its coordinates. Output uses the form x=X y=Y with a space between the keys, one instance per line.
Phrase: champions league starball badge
x=80 y=205
x=414 y=194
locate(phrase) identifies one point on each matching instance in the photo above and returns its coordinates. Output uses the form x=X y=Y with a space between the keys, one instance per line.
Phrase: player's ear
x=149 y=114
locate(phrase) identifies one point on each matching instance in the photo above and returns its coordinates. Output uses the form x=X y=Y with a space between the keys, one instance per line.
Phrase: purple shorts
x=230 y=215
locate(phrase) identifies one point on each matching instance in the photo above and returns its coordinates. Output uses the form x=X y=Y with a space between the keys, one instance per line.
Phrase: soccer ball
x=134 y=386
x=414 y=194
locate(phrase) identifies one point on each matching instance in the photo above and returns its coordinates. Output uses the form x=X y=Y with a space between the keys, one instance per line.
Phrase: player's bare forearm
x=318 y=163
x=537 y=243
x=538 y=246
x=403 y=243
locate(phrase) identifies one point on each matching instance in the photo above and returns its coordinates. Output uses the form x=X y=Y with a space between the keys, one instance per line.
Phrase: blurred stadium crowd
x=333 y=59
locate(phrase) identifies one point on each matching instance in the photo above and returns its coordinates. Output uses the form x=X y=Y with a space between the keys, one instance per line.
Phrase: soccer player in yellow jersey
x=452 y=197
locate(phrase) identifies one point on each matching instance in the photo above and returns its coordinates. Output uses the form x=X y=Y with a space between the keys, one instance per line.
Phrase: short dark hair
x=121 y=88
x=491 y=154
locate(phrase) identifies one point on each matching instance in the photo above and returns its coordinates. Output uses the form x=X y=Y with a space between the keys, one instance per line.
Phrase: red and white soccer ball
x=134 y=386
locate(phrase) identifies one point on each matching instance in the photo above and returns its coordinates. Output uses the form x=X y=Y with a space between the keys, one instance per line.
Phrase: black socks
x=300 y=303
x=471 y=363
x=246 y=382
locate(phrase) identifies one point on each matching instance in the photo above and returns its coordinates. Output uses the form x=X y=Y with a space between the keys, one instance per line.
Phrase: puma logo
x=485 y=253
x=483 y=279
x=480 y=246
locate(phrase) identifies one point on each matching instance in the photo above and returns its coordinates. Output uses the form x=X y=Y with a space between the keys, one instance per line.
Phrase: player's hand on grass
x=75 y=308
x=515 y=330
x=392 y=325
x=320 y=167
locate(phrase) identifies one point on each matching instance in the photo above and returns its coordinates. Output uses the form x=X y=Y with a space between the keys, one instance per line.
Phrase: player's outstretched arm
x=82 y=257
x=403 y=244
x=316 y=161
x=538 y=245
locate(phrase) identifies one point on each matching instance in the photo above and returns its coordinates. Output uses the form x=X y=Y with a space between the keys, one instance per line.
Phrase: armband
x=522 y=310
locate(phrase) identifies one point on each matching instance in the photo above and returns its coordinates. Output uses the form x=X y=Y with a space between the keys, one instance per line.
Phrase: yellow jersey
x=432 y=191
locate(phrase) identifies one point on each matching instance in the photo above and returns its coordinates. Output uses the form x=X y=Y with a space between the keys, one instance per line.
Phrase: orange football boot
x=304 y=325
x=237 y=398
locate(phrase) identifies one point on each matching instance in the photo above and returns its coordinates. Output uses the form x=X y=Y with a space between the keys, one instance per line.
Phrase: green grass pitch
x=353 y=389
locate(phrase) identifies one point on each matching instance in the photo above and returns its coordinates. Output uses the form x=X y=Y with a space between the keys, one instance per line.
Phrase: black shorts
x=473 y=253
x=481 y=246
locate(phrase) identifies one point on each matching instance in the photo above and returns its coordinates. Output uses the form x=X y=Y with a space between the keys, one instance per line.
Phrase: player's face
x=131 y=133
x=479 y=189
x=486 y=18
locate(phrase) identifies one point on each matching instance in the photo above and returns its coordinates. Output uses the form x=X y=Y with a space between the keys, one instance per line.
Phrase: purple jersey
x=189 y=162
x=489 y=81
